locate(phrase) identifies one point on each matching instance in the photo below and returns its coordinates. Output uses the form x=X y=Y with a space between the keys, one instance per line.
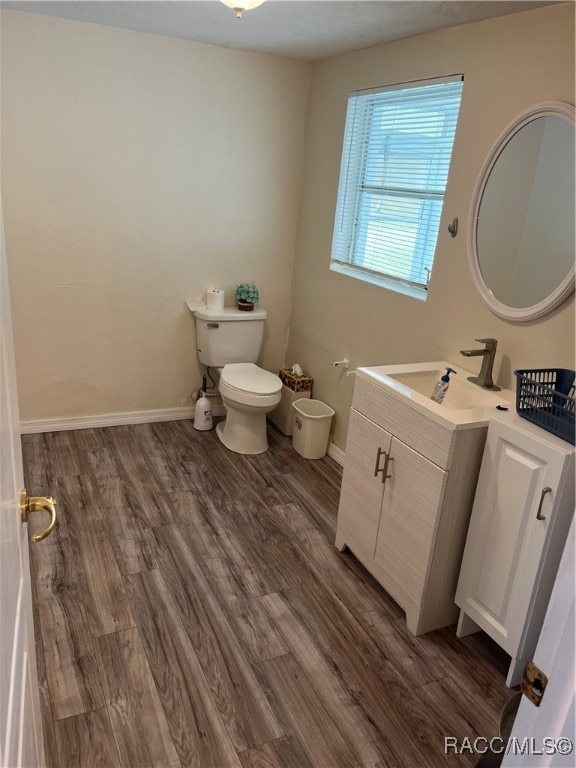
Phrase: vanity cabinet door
x=413 y=498
x=362 y=486
x=514 y=513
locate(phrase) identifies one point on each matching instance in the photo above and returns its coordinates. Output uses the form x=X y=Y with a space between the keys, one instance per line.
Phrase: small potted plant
x=246 y=296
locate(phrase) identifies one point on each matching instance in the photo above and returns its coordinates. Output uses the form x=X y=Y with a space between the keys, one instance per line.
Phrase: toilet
x=230 y=340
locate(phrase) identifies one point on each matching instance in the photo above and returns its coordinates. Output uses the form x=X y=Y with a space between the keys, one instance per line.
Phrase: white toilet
x=230 y=340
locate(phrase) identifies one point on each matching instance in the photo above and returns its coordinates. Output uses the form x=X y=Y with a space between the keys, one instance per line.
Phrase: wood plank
x=86 y=741
x=131 y=504
x=453 y=722
x=324 y=472
x=89 y=440
x=48 y=731
x=464 y=714
x=303 y=714
x=474 y=663
x=281 y=753
x=352 y=723
x=254 y=485
x=251 y=517
x=242 y=705
x=265 y=528
x=214 y=528
x=127 y=445
x=128 y=520
x=253 y=534
x=33 y=585
x=132 y=449
x=72 y=675
x=138 y=721
x=347 y=578
x=196 y=727
x=410 y=659
x=135 y=555
x=104 y=595
x=235 y=541
x=182 y=464
x=256 y=632
x=166 y=458
x=200 y=526
x=39 y=473
x=407 y=728
x=93 y=454
x=319 y=499
x=205 y=449
x=63 y=457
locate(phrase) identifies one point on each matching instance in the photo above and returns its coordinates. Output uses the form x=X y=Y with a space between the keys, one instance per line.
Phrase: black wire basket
x=546 y=397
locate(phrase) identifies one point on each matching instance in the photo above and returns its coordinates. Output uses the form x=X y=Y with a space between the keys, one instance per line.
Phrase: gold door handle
x=33 y=504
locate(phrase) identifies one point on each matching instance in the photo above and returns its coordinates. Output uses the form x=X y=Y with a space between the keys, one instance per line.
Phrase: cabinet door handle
x=546 y=490
x=385 y=474
x=377 y=470
x=384 y=469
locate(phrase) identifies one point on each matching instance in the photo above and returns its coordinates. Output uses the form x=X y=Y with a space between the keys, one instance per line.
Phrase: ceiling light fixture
x=242 y=5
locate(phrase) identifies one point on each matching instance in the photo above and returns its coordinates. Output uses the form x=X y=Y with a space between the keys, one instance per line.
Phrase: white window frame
x=352 y=187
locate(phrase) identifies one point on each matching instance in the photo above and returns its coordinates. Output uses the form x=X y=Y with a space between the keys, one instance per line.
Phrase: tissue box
x=295 y=383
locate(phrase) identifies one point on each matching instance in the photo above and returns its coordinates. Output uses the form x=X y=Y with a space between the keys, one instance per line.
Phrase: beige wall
x=137 y=170
x=509 y=64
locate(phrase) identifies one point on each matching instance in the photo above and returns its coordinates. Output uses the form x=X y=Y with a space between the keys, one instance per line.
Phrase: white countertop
x=455 y=418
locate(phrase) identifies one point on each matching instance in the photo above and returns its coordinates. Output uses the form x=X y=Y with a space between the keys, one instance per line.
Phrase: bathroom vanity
x=410 y=475
x=521 y=515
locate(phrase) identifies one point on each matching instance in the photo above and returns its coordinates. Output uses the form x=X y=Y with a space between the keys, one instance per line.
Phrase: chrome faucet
x=484 y=378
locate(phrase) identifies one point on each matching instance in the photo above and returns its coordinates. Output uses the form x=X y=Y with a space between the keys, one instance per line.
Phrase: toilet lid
x=247 y=377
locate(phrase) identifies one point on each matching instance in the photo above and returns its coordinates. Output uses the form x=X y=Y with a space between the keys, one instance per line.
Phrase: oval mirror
x=521 y=231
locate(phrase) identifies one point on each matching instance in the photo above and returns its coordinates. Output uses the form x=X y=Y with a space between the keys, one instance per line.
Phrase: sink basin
x=461 y=395
x=465 y=404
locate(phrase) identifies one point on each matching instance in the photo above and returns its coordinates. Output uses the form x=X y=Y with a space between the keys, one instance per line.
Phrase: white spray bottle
x=203 y=410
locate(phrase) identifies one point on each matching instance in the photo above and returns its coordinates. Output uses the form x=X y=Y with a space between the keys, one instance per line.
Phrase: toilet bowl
x=248 y=393
x=230 y=340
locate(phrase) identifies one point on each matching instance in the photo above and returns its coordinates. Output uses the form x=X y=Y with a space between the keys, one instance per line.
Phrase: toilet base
x=243 y=432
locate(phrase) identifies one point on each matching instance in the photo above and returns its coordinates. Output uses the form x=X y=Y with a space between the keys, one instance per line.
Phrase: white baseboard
x=112 y=419
x=336 y=453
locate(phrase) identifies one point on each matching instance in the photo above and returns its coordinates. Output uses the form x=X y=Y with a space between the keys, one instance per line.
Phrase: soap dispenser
x=442 y=387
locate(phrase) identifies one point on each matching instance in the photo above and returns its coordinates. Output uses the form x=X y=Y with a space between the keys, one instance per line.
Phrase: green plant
x=246 y=292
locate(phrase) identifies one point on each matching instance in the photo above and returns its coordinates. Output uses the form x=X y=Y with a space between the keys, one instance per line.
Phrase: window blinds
x=395 y=161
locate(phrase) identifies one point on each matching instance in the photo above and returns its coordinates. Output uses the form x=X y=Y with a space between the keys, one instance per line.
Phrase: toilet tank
x=229 y=335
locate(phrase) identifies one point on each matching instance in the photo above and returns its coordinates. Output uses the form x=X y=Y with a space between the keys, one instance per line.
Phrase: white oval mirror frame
x=566 y=286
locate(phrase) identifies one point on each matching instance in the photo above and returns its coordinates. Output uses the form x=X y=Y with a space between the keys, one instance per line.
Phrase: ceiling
x=301 y=29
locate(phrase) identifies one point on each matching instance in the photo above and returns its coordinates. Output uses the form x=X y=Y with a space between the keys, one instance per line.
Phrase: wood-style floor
x=191 y=610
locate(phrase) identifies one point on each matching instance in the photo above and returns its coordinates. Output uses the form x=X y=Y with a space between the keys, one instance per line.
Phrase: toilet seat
x=247 y=378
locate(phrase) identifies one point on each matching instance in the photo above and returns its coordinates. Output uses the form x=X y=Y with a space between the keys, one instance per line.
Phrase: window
x=395 y=159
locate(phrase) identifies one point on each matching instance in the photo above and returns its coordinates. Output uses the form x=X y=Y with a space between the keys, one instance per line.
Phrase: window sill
x=407 y=290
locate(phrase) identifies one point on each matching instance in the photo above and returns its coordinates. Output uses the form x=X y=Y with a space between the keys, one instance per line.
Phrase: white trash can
x=311 y=429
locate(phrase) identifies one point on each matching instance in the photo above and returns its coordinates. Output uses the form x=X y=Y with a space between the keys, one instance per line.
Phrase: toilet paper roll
x=214 y=298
